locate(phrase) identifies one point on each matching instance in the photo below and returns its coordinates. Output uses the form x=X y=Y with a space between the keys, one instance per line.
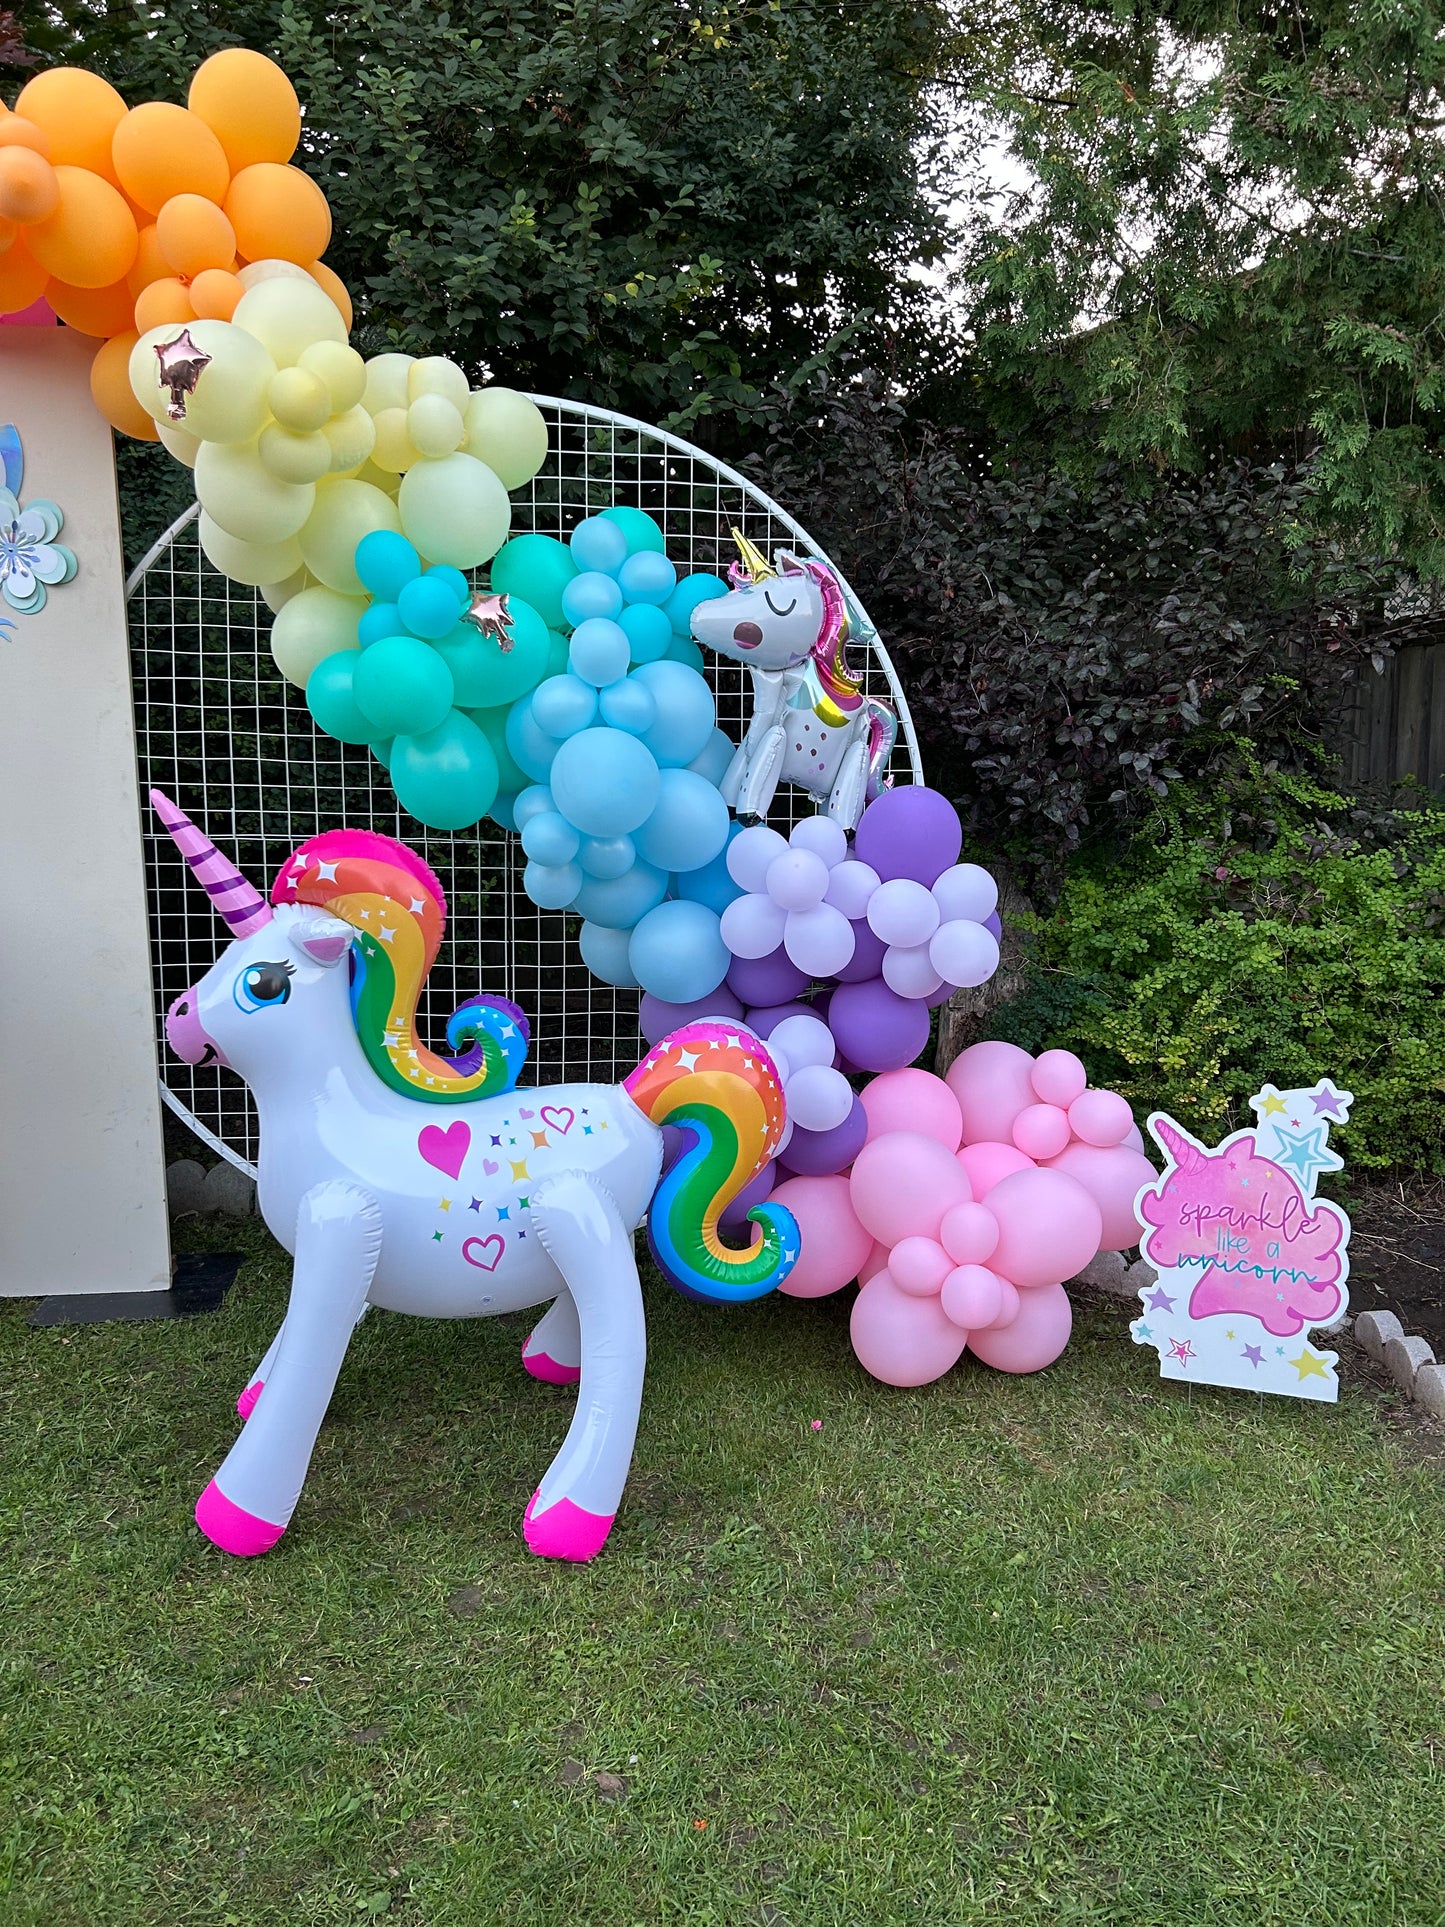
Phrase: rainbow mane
x=842 y=691
x=399 y=910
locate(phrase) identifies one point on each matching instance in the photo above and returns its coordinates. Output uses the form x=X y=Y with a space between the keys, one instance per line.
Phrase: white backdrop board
x=82 y=1175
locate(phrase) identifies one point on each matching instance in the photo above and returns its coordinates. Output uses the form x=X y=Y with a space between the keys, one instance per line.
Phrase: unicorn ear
x=325 y=940
x=789 y=563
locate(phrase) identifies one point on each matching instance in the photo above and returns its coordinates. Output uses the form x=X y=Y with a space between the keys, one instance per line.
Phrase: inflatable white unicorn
x=810 y=722
x=432 y=1185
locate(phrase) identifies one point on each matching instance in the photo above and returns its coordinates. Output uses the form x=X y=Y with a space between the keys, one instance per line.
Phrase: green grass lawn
x=1057 y=1649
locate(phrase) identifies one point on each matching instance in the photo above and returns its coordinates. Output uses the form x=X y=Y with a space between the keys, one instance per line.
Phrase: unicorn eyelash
x=774 y=607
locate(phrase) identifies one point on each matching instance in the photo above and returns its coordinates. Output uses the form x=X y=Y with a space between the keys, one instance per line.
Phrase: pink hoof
x=246 y=1403
x=548 y=1369
x=565 y=1531
x=233 y=1530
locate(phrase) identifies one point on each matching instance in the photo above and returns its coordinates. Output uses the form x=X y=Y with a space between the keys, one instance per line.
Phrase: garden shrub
x=1298 y=937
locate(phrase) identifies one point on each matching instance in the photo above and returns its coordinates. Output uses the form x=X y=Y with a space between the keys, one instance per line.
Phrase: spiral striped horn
x=1188 y=1157
x=239 y=902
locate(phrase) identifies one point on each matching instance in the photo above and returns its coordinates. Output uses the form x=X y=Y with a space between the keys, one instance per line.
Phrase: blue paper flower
x=31 y=560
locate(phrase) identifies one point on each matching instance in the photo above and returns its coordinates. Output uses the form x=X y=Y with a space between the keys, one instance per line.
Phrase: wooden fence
x=1396 y=728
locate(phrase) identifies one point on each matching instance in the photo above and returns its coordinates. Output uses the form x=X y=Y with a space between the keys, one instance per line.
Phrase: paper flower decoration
x=31 y=560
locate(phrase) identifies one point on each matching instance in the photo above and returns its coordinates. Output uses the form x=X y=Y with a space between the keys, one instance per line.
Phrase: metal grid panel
x=220 y=730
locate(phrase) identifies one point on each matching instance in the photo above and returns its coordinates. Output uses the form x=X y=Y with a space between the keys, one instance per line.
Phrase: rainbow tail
x=719 y=1086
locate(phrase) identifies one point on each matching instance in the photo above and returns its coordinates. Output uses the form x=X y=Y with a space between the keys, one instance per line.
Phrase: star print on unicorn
x=810 y=722
x=363 y=1128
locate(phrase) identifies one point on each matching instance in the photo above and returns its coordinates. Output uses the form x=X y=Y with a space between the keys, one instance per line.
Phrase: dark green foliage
x=1281 y=939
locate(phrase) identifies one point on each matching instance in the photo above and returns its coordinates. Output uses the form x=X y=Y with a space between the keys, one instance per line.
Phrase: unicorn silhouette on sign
x=810 y=723
x=427 y=1184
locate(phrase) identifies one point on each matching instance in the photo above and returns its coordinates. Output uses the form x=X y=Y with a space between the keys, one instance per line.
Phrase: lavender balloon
x=656 y=1018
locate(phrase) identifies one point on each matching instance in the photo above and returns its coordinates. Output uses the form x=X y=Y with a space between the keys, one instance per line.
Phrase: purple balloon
x=867 y=958
x=766 y=980
x=875 y=1028
x=757 y=1191
x=655 y=1019
x=816 y=1154
x=993 y=923
x=910 y=831
x=763 y=1021
x=939 y=996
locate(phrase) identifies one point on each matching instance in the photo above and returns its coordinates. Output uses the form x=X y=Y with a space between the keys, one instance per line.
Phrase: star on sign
x=1307 y=1155
x=326 y=872
x=1253 y=1354
x=1182 y=1349
x=1159 y=1300
x=490 y=616
x=1309 y=1365
x=688 y=1059
x=386 y=935
x=1272 y=1104
x=1327 y=1100
x=417 y=905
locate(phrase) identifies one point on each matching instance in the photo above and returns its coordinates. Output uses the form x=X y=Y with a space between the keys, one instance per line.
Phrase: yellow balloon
x=288 y=316
x=299 y=399
x=276 y=595
x=250 y=562
x=350 y=438
x=314 y=625
x=433 y=425
x=255 y=272
x=394 y=449
x=381 y=478
x=345 y=511
x=228 y=400
x=435 y=375
x=342 y=369
x=507 y=432
x=386 y=383
x=454 y=510
x=291 y=457
x=182 y=445
x=244 y=498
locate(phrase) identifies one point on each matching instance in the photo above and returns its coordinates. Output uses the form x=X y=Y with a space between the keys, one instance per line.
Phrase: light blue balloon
x=690 y=591
x=563 y=704
x=604 y=952
x=648 y=631
x=332 y=703
x=386 y=561
x=589 y=595
x=686 y=715
x=446 y=778
x=711 y=885
x=677 y=952
x=605 y=781
x=639 y=528
x=536 y=801
x=619 y=901
x=529 y=745
x=551 y=886
x=647 y=577
x=549 y=838
x=598 y=544
x=684 y=650
x=381 y=620
x=627 y=705
x=600 y=651
x=689 y=825
x=607 y=856
x=713 y=758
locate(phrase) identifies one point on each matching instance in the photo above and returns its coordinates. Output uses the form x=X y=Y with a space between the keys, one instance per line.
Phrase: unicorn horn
x=1187 y=1156
x=754 y=561
x=239 y=902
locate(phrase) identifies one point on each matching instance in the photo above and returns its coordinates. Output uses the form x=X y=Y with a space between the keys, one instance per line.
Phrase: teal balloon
x=604 y=952
x=465 y=654
x=618 y=902
x=515 y=671
x=386 y=562
x=689 y=825
x=445 y=777
x=503 y=811
x=605 y=782
x=382 y=752
x=648 y=631
x=690 y=591
x=332 y=701
x=639 y=528
x=551 y=886
x=403 y=686
x=532 y=749
x=563 y=704
x=559 y=650
x=677 y=952
x=537 y=568
x=493 y=725
x=686 y=713
x=381 y=619
x=683 y=649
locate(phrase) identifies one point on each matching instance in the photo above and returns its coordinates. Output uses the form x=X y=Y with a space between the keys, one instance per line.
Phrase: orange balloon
x=94 y=311
x=8 y=232
x=331 y=283
x=192 y=233
x=79 y=112
x=249 y=105
x=149 y=264
x=90 y=239
x=22 y=279
x=214 y=294
x=29 y=187
x=161 y=303
x=160 y=150
x=17 y=131
x=113 y=394
x=279 y=214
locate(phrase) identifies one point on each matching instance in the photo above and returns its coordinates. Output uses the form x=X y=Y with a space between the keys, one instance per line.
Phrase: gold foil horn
x=754 y=561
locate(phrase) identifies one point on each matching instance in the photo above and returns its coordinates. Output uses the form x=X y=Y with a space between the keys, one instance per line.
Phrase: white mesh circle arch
x=219 y=729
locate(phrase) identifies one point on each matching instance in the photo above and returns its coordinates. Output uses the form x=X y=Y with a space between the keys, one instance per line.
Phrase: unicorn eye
x=263 y=984
x=768 y=598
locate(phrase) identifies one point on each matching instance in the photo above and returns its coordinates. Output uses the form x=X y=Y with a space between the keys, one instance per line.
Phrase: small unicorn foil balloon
x=810 y=723
x=429 y=1184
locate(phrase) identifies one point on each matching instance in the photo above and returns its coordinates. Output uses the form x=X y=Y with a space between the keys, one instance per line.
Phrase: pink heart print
x=552 y=1116
x=446 y=1150
x=490 y=1258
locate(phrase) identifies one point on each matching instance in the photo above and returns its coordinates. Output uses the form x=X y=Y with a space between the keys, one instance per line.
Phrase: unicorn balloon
x=430 y=1184
x=810 y=722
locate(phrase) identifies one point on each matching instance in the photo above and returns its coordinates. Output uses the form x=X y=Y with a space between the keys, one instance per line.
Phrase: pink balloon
x=1135 y=1140
x=1034 y=1339
x=834 y=1244
x=1113 y=1176
x=972 y=1296
x=919 y=1267
x=969 y=1233
x=988 y=1164
x=902 y=1340
x=1048 y=1228
x=1101 y=1117
x=1041 y=1130
x=1009 y=1303
x=913 y=1100
x=1058 y=1077
x=876 y=1261
x=991 y=1083
x=903 y=1183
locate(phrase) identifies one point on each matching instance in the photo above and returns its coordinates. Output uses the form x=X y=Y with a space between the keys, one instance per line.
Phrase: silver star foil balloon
x=490 y=616
x=182 y=362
